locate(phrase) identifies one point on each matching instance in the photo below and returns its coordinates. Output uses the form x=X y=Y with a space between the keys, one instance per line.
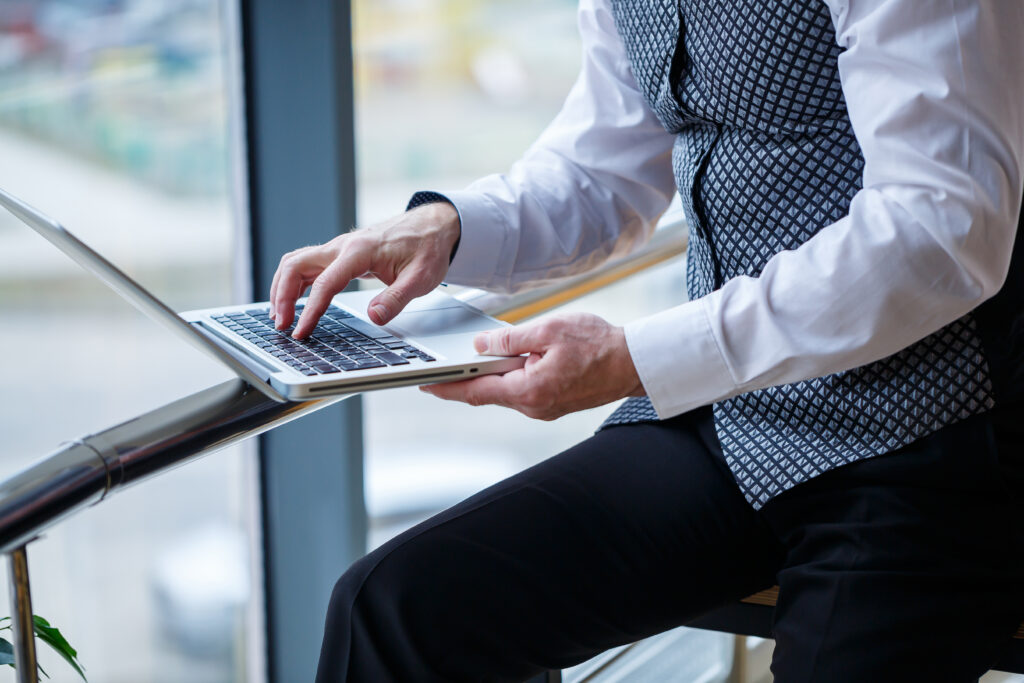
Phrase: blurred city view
x=134 y=85
x=115 y=119
x=449 y=90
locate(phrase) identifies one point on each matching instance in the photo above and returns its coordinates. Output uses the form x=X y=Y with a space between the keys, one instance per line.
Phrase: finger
x=293 y=275
x=513 y=341
x=289 y=289
x=332 y=280
x=499 y=390
x=274 y=286
x=409 y=284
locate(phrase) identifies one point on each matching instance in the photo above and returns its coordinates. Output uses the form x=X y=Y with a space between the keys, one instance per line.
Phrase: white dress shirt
x=935 y=92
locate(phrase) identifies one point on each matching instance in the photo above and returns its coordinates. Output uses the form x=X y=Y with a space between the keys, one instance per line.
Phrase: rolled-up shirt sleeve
x=592 y=186
x=935 y=93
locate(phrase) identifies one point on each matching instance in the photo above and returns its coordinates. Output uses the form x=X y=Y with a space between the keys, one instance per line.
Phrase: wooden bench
x=752 y=616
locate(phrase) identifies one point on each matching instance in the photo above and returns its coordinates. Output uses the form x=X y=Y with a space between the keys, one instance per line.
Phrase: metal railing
x=87 y=471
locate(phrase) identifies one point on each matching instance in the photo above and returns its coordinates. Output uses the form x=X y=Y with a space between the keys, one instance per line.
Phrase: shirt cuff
x=678 y=359
x=484 y=236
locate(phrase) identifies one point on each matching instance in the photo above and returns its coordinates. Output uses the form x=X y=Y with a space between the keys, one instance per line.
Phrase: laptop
x=430 y=341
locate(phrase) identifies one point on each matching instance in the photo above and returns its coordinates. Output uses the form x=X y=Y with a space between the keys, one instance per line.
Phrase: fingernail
x=379 y=311
x=481 y=343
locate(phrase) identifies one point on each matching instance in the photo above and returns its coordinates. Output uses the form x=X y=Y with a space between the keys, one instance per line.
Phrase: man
x=852 y=176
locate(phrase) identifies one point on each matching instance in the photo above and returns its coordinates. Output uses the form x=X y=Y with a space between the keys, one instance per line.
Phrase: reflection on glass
x=113 y=121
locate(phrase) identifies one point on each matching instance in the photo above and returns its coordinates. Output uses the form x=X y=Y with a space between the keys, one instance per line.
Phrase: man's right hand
x=409 y=253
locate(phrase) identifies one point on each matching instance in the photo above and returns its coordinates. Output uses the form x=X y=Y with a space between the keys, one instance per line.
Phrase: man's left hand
x=576 y=361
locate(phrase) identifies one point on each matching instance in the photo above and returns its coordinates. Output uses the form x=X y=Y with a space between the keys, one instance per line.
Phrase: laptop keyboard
x=340 y=343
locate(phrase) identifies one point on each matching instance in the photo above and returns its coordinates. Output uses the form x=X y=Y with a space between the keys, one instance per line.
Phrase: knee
x=368 y=636
x=344 y=631
x=346 y=596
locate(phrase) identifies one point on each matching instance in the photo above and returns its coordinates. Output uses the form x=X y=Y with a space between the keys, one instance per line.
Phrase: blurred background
x=116 y=118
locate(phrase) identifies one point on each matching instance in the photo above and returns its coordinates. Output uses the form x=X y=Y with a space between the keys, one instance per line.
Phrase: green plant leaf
x=53 y=637
x=7 y=656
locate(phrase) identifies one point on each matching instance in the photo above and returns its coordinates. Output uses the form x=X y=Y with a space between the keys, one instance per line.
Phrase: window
x=114 y=121
x=447 y=91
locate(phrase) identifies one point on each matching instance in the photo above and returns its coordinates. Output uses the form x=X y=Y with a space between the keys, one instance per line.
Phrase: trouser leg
x=630 y=533
x=907 y=567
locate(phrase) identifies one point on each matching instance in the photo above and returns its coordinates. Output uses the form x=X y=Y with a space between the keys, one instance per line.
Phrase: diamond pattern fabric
x=764 y=158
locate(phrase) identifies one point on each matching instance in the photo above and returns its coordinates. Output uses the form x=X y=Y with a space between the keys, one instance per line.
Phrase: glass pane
x=448 y=91
x=114 y=121
x=483 y=79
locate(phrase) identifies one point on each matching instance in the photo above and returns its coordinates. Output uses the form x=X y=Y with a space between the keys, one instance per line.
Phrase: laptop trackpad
x=440 y=321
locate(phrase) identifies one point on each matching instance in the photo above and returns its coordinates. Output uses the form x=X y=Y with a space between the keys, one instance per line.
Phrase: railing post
x=21 y=620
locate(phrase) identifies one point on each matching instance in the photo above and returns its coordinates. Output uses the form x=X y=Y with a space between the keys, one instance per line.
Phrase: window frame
x=298 y=104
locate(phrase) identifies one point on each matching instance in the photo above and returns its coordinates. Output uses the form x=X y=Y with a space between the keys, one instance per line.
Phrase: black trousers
x=905 y=567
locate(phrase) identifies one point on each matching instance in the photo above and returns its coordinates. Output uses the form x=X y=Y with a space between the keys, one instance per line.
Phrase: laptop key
x=367 y=329
x=324 y=368
x=335 y=312
x=391 y=358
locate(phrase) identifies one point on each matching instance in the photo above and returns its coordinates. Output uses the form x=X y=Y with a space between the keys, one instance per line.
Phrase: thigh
x=905 y=567
x=629 y=533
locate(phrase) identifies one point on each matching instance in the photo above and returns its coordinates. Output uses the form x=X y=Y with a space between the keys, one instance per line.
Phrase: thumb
x=393 y=299
x=508 y=341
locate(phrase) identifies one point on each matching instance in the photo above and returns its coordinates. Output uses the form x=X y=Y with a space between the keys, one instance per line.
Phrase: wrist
x=440 y=212
x=443 y=218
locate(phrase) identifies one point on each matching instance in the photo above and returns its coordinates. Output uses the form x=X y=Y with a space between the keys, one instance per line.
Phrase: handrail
x=667 y=242
x=90 y=469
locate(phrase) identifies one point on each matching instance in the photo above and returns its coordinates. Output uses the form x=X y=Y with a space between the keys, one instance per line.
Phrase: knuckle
x=393 y=295
x=557 y=324
x=531 y=398
x=319 y=288
x=354 y=241
x=503 y=340
x=551 y=328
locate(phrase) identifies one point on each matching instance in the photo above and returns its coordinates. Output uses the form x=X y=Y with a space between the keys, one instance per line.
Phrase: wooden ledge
x=769 y=597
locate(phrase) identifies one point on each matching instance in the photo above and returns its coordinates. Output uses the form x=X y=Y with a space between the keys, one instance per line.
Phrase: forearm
x=592 y=186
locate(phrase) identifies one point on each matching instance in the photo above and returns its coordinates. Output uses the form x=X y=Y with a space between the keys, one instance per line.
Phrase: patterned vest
x=765 y=157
